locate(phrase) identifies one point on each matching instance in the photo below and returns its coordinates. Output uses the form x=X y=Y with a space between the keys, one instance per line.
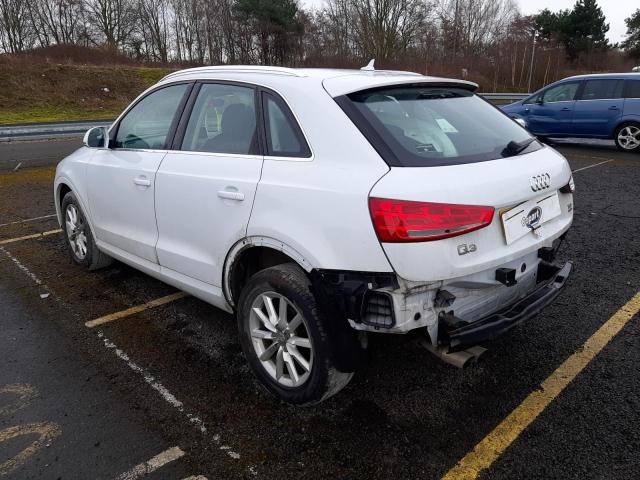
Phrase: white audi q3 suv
x=321 y=206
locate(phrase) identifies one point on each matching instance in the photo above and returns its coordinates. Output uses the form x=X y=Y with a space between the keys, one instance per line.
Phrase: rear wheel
x=284 y=337
x=78 y=236
x=627 y=137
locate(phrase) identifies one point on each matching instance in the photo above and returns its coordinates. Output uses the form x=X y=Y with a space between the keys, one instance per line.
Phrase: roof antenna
x=369 y=67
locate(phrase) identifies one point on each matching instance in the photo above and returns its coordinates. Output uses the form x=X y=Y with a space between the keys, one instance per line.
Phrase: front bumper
x=470 y=334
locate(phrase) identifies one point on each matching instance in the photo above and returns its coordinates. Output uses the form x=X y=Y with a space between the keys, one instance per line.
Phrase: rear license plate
x=529 y=216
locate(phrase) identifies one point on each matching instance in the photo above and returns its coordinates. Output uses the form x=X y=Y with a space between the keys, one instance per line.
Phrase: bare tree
x=56 y=21
x=112 y=22
x=154 y=19
x=16 y=30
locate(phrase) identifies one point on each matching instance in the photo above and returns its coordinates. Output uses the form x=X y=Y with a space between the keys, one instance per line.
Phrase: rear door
x=598 y=108
x=205 y=187
x=121 y=178
x=551 y=111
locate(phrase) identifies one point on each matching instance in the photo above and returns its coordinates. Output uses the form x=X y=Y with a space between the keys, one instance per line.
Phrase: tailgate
x=528 y=213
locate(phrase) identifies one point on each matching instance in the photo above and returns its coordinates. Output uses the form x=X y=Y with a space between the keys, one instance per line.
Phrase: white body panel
x=501 y=184
x=198 y=218
x=121 y=191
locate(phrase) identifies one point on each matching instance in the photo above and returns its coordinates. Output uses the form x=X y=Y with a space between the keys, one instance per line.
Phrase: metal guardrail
x=33 y=131
x=48 y=130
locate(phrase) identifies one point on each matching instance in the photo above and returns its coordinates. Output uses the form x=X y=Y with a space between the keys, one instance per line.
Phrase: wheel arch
x=253 y=254
x=61 y=190
x=62 y=186
x=635 y=119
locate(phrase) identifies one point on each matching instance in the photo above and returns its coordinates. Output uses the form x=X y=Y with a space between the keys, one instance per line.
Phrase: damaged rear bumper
x=497 y=323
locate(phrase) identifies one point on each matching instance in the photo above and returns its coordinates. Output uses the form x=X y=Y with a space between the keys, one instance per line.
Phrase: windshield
x=430 y=126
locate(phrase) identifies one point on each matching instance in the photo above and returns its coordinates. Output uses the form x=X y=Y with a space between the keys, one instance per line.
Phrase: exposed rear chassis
x=495 y=324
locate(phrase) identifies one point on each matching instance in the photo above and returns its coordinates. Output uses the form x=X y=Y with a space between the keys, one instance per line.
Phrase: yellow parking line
x=28 y=237
x=591 y=166
x=133 y=310
x=493 y=445
x=150 y=466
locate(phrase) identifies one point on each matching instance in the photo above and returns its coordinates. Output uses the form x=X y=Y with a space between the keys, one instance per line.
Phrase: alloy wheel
x=629 y=137
x=75 y=226
x=281 y=340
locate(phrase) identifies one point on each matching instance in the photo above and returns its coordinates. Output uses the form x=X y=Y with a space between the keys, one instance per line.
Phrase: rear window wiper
x=514 y=148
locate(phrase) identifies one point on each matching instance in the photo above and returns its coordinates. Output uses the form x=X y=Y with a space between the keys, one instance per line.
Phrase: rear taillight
x=406 y=221
x=569 y=187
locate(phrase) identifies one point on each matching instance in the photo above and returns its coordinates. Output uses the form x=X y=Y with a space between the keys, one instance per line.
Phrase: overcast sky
x=615 y=11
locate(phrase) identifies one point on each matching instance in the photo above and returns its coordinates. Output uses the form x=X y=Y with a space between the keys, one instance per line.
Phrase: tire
x=627 y=137
x=313 y=385
x=78 y=237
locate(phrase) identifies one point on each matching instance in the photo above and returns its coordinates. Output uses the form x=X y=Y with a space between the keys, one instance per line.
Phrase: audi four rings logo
x=540 y=182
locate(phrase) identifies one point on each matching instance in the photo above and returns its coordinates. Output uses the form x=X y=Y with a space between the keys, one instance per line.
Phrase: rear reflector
x=405 y=221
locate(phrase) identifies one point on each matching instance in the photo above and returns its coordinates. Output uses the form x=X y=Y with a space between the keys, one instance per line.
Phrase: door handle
x=142 y=181
x=231 y=195
x=613 y=107
x=566 y=109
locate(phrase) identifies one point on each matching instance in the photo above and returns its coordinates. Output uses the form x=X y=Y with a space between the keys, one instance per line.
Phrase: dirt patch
x=36 y=90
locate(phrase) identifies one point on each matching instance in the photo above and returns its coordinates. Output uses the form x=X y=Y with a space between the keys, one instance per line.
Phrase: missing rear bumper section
x=381 y=302
x=553 y=279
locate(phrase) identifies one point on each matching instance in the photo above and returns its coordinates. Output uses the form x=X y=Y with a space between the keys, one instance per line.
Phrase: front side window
x=561 y=93
x=602 y=89
x=284 y=137
x=148 y=122
x=533 y=99
x=431 y=126
x=223 y=120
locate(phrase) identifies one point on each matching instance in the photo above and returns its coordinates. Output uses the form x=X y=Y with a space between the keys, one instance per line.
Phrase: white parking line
x=169 y=397
x=152 y=465
x=591 y=166
x=148 y=378
x=27 y=220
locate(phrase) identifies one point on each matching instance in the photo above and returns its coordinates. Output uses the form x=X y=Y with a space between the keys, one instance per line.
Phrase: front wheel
x=78 y=236
x=627 y=137
x=285 y=338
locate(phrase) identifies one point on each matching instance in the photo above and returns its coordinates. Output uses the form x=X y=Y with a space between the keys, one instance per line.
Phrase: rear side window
x=633 y=89
x=602 y=89
x=284 y=138
x=223 y=120
x=147 y=124
x=432 y=126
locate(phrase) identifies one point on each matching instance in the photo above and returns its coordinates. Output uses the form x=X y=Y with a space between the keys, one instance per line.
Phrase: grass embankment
x=44 y=92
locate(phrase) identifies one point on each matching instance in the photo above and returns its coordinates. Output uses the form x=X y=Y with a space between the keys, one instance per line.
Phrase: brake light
x=405 y=221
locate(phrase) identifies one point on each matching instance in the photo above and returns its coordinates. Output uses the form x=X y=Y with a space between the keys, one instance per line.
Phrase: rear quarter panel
x=319 y=206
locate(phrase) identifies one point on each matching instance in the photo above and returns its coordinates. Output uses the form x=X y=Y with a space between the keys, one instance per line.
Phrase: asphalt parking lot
x=165 y=392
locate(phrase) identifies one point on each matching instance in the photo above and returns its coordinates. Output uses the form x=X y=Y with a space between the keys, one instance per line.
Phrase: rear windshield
x=421 y=126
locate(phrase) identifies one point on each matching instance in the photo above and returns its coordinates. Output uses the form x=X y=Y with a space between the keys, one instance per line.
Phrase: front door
x=121 y=179
x=599 y=107
x=551 y=112
x=205 y=191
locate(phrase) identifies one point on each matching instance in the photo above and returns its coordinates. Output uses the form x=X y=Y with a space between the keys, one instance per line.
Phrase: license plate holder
x=529 y=217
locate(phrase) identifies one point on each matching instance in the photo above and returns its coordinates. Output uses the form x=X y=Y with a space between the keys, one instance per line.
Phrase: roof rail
x=239 y=69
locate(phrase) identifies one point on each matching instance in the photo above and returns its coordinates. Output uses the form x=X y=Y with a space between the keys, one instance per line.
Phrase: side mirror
x=539 y=101
x=96 y=137
x=521 y=121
